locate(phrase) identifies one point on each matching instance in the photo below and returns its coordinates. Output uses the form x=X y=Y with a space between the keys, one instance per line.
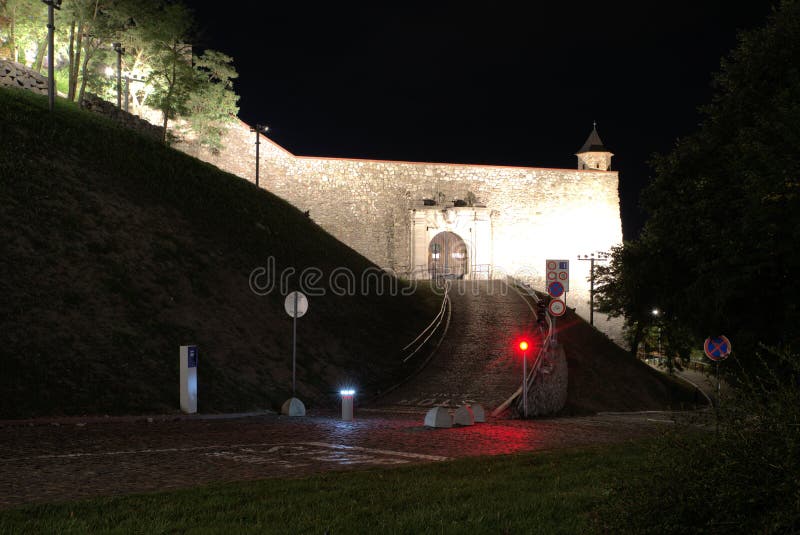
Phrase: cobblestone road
x=49 y=463
x=70 y=459
x=476 y=362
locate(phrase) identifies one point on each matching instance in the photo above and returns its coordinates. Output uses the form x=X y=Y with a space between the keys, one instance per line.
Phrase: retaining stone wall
x=18 y=76
x=95 y=104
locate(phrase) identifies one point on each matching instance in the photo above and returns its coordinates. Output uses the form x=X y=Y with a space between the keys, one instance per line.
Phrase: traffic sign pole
x=294 y=343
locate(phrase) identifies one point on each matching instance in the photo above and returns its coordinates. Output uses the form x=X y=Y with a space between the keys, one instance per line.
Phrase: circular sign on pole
x=717 y=348
x=551 y=264
x=557 y=307
x=302 y=304
x=556 y=289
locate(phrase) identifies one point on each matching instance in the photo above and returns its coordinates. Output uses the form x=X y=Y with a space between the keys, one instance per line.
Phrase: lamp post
x=119 y=50
x=601 y=257
x=656 y=313
x=258 y=129
x=523 y=345
x=52 y=5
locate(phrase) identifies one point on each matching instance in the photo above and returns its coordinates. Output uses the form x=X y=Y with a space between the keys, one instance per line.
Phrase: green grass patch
x=115 y=250
x=551 y=492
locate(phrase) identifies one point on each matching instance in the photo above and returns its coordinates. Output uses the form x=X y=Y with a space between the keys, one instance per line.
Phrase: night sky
x=483 y=83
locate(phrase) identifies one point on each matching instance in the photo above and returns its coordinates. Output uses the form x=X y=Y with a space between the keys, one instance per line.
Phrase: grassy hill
x=604 y=377
x=115 y=250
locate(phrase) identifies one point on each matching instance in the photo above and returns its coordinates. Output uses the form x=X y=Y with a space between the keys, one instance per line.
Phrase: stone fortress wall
x=370 y=205
x=516 y=217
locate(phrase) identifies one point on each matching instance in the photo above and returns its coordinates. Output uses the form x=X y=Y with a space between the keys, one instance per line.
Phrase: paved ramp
x=476 y=362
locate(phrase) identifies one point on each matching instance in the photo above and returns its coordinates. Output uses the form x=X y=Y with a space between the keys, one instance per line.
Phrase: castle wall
x=536 y=213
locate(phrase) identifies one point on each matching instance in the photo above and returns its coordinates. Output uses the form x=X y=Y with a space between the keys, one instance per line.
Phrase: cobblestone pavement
x=476 y=362
x=45 y=462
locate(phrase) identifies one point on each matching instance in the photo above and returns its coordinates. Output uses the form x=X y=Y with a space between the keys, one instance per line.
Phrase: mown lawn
x=551 y=492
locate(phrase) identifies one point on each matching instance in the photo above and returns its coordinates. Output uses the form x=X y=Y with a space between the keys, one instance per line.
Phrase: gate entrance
x=447 y=256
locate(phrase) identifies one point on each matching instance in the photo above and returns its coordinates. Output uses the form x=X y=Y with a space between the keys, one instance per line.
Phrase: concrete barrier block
x=438 y=417
x=293 y=407
x=464 y=416
x=479 y=413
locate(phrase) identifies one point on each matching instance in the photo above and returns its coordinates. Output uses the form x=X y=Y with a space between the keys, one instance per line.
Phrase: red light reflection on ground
x=499 y=439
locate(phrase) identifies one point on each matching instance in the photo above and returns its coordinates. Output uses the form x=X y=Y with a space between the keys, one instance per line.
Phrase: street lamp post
x=119 y=50
x=258 y=129
x=601 y=257
x=524 y=347
x=52 y=5
x=656 y=313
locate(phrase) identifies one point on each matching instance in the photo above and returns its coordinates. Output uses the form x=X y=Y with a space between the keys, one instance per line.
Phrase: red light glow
x=523 y=345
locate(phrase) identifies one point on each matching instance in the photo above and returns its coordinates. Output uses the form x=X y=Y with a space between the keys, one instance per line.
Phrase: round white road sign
x=302 y=304
x=557 y=307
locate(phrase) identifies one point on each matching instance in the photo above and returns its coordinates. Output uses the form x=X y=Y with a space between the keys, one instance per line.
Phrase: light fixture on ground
x=51 y=28
x=348 y=395
x=601 y=257
x=119 y=50
x=258 y=129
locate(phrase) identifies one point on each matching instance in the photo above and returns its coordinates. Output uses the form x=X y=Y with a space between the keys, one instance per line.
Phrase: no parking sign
x=717 y=348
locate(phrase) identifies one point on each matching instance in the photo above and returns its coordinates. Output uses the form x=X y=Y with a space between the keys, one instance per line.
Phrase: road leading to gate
x=476 y=362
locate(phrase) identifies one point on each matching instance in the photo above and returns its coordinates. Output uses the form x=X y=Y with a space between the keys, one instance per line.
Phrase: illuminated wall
x=536 y=213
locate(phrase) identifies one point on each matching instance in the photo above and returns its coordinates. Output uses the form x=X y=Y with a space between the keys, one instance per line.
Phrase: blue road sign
x=717 y=348
x=555 y=288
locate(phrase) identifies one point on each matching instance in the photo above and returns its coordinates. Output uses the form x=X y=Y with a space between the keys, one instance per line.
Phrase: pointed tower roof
x=593 y=143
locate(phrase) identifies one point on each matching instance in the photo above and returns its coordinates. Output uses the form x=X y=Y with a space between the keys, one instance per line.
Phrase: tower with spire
x=593 y=154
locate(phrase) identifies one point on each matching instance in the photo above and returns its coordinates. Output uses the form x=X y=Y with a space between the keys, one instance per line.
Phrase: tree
x=212 y=102
x=172 y=74
x=22 y=28
x=724 y=216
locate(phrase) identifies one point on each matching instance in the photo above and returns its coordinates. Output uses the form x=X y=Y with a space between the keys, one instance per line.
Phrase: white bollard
x=293 y=407
x=463 y=416
x=188 y=378
x=438 y=417
x=347 y=404
x=480 y=414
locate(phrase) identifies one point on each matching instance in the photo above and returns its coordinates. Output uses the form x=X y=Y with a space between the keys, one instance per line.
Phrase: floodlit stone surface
x=438 y=417
x=514 y=219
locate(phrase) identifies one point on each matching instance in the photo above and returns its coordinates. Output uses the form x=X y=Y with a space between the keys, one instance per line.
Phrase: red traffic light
x=523 y=345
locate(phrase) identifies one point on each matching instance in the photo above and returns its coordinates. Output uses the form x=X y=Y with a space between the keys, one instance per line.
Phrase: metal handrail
x=432 y=327
x=546 y=342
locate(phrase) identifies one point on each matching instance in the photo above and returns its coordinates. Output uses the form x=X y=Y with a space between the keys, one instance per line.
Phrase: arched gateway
x=447 y=256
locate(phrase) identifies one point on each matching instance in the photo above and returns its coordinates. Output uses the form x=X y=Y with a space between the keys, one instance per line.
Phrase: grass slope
x=551 y=492
x=604 y=377
x=115 y=250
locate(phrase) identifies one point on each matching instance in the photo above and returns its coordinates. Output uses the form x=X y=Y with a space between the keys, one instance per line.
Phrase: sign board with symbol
x=302 y=304
x=557 y=307
x=557 y=270
x=192 y=357
x=717 y=348
x=555 y=288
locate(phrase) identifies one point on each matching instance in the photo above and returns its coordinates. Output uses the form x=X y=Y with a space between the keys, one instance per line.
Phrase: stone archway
x=447 y=256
